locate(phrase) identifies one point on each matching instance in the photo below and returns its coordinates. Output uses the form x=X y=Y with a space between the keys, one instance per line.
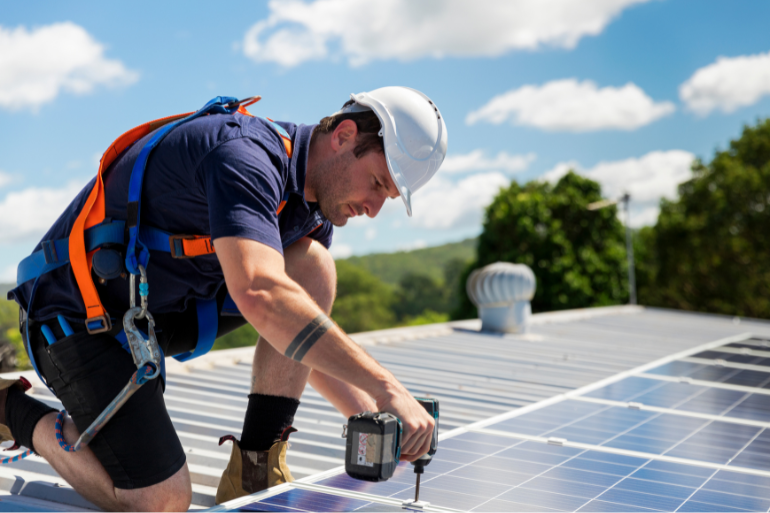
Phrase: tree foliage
x=366 y=302
x=363 y=302
x=13 y=356
x=578 y=256
x=709 y=250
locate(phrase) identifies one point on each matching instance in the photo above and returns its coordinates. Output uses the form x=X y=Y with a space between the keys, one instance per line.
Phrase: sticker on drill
x=371 y=449
x=366 y=454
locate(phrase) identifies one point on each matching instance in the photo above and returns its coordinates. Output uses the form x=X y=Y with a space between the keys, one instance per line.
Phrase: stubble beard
x=330 y=181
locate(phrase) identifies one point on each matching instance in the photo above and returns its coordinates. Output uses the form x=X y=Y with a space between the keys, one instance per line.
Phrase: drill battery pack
x=373 y=446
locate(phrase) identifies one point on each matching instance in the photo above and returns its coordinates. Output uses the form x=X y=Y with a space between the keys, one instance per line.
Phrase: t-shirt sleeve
x=323 y=234
x=244 y=189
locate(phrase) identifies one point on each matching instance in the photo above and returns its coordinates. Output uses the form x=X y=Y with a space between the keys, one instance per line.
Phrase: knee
x=311 y=265
x=173 y=494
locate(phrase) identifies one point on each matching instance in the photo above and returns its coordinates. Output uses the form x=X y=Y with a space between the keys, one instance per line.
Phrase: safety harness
x=92 y=230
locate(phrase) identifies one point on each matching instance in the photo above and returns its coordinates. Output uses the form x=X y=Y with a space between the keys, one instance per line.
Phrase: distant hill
x=390 y=267
x=4 y=288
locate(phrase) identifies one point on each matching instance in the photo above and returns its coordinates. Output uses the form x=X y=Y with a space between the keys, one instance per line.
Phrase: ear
x=344 y=136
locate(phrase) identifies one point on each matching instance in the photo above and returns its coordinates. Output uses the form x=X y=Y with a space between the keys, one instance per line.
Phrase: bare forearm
x=296 y=327
x=348 y=399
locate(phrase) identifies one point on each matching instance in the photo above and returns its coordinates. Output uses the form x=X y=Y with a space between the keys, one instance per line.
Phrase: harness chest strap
x=93 y=213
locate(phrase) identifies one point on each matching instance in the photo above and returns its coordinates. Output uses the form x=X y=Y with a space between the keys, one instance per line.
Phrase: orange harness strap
x=93 y=213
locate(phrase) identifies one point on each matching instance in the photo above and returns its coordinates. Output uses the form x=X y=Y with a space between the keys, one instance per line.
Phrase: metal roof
x=475 y=375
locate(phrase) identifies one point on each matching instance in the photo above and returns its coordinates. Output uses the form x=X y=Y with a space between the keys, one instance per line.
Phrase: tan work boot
x=253 y=471
x=5 y=384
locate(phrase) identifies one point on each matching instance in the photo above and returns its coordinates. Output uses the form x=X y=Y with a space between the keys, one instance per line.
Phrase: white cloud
x=727 y=84
x=648 y=178
x=445 y=204
x=340 y=250
x=562 y=168
x=572 y=106
x=28 y=214
x=370 y=233
x=5 y=179
x=478 y=161
x=36 y=65
x=366 y=30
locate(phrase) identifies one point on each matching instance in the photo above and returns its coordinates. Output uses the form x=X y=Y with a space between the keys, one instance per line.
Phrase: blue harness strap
x=215 y=106
x=208 y=322
x=229 y=307
x=55 y=253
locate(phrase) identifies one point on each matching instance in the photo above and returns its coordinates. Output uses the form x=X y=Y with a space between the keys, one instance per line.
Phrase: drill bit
x=417 y=490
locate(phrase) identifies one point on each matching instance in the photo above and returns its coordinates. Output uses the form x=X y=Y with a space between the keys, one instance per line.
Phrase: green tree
x=10 y=336
x=417 y=293
x=453 y=270
x=578 y=256
x=709 y=249
x=363 y=303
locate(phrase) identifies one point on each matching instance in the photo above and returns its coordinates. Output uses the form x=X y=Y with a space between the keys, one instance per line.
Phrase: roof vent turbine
x=502 y=292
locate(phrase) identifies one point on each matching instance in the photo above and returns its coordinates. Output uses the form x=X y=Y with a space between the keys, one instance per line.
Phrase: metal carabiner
x=144 y=291
x=146 y=354
x=143 y=350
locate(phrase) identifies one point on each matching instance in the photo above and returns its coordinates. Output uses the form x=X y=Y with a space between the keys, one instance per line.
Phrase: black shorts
x=139 y=446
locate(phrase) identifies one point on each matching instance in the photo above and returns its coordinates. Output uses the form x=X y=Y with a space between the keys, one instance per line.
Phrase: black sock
x=266 y=418
x=22 y=413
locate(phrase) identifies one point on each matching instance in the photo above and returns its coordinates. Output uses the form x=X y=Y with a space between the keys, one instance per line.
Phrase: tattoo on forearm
x=308 y=337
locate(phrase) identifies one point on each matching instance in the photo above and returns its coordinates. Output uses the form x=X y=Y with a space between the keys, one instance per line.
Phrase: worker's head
x=386 y=143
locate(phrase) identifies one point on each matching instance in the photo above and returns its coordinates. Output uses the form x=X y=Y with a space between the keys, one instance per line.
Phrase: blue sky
x=625 y=91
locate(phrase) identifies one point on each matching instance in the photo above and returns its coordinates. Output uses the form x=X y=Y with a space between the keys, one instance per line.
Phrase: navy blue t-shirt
x=221 y=175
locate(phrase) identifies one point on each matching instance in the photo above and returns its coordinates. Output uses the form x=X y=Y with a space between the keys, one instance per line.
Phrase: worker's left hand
x=417 y=424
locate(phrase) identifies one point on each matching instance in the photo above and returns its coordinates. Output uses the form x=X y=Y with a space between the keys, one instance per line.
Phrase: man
x=267 y=194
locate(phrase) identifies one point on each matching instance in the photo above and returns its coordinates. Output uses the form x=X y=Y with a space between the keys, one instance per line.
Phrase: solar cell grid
x=752 y=343
x=483 y=471
x=678 y=368
x=667 y=434
x=527 y=476
x=734 y=358
x=304 y=500
x=746 y=378
x=728 y=375
x=627 y=389
x=688 y=397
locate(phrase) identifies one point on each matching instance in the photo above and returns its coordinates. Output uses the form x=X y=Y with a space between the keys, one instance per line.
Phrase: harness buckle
x=177 y=245
x=105 y=324
x=49 y=251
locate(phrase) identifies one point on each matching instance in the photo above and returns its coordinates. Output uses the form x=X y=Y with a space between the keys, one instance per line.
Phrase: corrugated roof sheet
x=475 y=375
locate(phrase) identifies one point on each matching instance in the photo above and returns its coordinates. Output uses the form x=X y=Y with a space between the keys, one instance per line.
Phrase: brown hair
x=368 y=138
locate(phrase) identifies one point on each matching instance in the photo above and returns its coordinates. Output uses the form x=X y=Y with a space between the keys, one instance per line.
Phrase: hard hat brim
x=388 y=134
x=400 y=181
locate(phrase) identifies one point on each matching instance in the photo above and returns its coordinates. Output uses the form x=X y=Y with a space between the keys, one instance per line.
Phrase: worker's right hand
x=417 y=424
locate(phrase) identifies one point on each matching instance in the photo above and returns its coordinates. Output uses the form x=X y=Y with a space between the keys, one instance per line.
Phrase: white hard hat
x=415 y=136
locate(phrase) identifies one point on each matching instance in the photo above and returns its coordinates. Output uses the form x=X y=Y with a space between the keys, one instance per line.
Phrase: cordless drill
x=373 y=445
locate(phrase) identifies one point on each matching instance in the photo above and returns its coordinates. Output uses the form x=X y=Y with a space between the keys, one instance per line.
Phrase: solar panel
x=679 y=435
